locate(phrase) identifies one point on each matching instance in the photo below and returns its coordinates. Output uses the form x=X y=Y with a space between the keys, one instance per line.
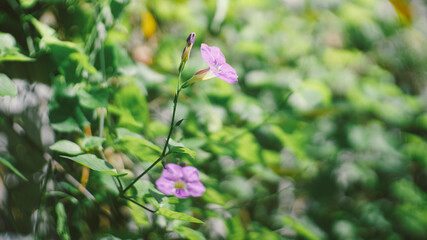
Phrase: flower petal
x=196 y=189
x=206 y=54
x=165 y=185
x=212 y=55
x=172 y=172
x=190 y=174
x=217 y=55
x=181 y=193
x=227 y=73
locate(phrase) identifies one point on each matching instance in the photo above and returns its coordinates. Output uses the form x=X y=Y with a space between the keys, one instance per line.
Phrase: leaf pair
x=89 y=160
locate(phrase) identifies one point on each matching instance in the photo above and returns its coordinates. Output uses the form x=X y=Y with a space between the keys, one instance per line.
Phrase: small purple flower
x=217 y=65
x=180 y=181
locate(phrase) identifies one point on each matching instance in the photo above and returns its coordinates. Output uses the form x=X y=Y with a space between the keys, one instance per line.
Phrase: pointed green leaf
x=179 y=148
x=67 y=126
x=83 y=60
x=300 y=228
x=93 y=162
x=67 y=147
x=43 y=29
x=184 y=150
x=179 y=122
x=11 y=167
x=15 y=57
x=9 y=52
x=121 y=132
x=7 y=88
x=61 y=222
x=177 y=215
x=94 y=99
x=92 y=142
x=189 y=233
x=141 y=148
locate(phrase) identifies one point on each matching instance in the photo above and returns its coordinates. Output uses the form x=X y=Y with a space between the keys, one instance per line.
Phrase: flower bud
x=191 y=38
x=186 y=52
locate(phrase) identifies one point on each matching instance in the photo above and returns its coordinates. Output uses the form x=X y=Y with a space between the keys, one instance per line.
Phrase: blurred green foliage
x=323 y=137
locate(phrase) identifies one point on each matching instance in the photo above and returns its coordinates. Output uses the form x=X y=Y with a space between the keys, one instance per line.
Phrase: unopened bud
x=186 y=52
x=191 y=38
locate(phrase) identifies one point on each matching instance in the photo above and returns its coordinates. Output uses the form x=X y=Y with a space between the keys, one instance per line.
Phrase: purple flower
x=216 y=60
x=180 y=181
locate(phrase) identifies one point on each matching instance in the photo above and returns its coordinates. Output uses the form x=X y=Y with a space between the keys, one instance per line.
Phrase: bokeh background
x=323 y=137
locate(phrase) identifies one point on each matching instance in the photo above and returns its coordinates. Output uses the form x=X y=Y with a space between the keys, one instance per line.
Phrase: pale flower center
x=180 y=184
x=219 y=68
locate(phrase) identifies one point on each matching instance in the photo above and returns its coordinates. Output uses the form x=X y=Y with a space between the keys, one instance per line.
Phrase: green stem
x=172 y=124
x=171 y=128
x=137 y=203
x=142 y=174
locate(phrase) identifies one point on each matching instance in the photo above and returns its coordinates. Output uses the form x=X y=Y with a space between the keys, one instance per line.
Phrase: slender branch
x=172 y=124
x=73 y=181
x=171 y=128
x=142 y=174
x=184 y=58
x=137 y=203
x=120 y=184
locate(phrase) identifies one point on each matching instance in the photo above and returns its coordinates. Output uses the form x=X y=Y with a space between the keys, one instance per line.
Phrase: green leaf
x=125 y=118
x=177 y=215
x=213 y=196
x=121 y=132
x=178 y=123
x=189 y=233
x=235 y=228
x=67 y=126
x=93 y=162
x=133 y=105
x=184 y=150
x=159 y=197
x=7 y=42
x=141 y=148
x=8 y=50
x=7 y=88
x=27 y=3
x=67 y=147
x=15 y=57
x=248 y=148
x=93 y=99
x=300 y=228
x=61 y=222
x=92 y=142
x=138 y=214
x=69 y=55
x=43 y=29
x=83 y=60
x=179 y=148
x=11 y=167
